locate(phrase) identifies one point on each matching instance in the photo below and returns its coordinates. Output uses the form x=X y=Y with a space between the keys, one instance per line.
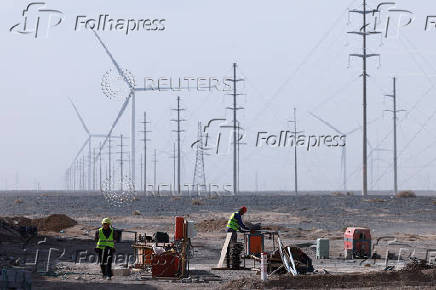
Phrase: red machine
x=358 y=242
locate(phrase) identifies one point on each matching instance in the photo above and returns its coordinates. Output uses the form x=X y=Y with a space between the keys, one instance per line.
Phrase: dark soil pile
x=347 y=281
x=54 y=223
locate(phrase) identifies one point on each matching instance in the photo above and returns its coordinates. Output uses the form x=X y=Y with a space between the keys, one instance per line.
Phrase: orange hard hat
x=243 y=209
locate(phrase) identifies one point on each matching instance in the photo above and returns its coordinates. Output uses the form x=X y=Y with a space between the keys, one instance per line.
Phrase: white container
x=263 y=267
x=191 y=232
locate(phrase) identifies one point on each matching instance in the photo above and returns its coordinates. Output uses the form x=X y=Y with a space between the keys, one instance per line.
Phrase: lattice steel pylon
x=199 y=181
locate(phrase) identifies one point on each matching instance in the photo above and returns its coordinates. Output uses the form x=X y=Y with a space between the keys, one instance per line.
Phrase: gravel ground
x=323 y=212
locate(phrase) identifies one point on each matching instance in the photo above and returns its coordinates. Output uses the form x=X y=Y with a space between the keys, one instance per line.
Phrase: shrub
x=197 y=202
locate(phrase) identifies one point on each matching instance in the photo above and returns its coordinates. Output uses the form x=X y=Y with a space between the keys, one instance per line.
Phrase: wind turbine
x=133 y=89
x=344 y=148
x=88 y=142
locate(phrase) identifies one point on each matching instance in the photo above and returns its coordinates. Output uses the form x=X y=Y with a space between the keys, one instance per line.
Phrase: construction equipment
x=164 y=258
x=357 y=242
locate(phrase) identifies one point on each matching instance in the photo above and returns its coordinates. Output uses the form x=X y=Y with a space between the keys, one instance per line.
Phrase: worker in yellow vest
x=105 y=238
x=235 y=223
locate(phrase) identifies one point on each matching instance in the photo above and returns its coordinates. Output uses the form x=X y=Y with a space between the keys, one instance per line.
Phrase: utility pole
x=295 y=132
x=89 y=163
x=141 y=167
x=155 y=171
x=364 y=33
x=145 y=140
x=178 y=131
x=83 y=173
x=93 y=169
x=394 y=113
x=235 y=126
x=99 y=159
x=110 y=162
x=121 y=162
x=174 y=157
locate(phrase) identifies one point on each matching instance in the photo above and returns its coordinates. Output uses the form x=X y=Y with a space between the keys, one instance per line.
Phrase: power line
x=178 y=131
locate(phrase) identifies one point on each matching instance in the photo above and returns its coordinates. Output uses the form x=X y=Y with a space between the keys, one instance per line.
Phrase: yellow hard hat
x=106 y=221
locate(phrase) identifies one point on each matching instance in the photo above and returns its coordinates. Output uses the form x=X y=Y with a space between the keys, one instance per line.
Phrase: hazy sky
x=290 y=53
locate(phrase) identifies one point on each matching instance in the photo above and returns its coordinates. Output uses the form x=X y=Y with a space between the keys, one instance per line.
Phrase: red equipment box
x=358 y=240
x=165 y=265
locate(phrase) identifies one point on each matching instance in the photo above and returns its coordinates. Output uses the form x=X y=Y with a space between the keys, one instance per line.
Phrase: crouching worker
x=105 y=238
x=235 y=224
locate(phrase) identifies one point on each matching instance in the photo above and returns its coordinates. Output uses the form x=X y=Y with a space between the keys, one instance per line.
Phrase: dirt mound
x=54 y=223
x=417 y=265
x=16 y=229
x=211 y=225
x=405 y=194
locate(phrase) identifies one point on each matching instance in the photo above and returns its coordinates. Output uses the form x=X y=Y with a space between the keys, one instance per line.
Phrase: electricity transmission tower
x=145 y=140
x=178 y=131
x=365 y=55
x=394 y=113
x=199 y=179
x=295 y=132
x=235 y=108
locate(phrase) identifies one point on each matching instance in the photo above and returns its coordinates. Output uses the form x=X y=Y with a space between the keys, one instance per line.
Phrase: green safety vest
x=233 y=223
x=103 y=241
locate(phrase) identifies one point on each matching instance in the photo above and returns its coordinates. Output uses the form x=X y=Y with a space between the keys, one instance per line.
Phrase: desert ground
x=408 y=223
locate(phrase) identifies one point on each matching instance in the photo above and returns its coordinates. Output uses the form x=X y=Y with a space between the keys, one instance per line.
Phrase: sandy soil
x=299 y=219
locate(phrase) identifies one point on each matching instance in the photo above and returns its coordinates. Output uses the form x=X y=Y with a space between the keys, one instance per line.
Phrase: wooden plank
x=224 y=250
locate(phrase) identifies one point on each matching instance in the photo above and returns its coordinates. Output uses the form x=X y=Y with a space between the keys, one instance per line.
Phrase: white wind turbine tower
x=88 y=142
x=344 y=148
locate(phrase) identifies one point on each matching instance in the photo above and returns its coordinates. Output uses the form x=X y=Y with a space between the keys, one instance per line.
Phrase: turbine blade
x=326 y=123
x=80 y=117
x=354 y=130
x=120 y=113
x=120 y=71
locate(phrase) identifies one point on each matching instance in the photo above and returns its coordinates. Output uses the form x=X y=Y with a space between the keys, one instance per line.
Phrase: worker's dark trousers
x=233 y=239
x=105 y=257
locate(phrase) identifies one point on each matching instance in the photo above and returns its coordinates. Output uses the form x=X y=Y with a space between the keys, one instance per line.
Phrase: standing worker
x=235 y=224
x=105 y=238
